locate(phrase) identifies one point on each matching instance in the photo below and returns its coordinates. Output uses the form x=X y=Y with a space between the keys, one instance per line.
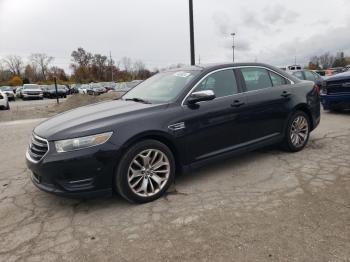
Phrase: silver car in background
x=30 y=91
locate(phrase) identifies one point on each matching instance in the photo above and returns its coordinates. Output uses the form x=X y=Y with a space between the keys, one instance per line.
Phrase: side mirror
x=199 y=96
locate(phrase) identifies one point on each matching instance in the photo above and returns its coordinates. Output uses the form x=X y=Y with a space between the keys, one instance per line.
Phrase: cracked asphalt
x=267 y=205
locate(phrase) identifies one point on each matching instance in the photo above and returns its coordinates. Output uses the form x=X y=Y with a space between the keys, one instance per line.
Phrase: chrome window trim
x=48 y=149
x=232 y=68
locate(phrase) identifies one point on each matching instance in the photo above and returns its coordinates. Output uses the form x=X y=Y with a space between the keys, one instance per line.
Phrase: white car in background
x=82 y=89
x=30 y=91
x=4 y=102
x=9 y=92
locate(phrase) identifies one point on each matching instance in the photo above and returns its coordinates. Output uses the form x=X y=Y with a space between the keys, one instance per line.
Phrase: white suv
x=4 y=102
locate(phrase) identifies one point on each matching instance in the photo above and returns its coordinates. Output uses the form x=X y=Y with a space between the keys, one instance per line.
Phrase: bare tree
x=42 y=61
x=81 y=57
x=138 y=67
x=14 y=63
x=326 y=60
x=100 y=62
x=126 y=63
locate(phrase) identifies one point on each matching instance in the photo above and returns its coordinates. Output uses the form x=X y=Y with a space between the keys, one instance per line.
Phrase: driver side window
x=222 y=83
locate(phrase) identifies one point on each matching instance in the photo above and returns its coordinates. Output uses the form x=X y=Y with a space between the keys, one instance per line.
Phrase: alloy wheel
x=148 y=172
x=299 y=131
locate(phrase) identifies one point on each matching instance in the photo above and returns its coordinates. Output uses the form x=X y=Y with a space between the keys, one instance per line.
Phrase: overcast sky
x=157 y=31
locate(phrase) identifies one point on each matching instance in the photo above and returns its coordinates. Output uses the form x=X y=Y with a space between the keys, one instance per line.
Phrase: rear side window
x=256 y=78
x=277 y=80
x=222 y=83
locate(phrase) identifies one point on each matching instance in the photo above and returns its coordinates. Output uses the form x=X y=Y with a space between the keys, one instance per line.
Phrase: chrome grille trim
x=177 y=126
x=37 y=149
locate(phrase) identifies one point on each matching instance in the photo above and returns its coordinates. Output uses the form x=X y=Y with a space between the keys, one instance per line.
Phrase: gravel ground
x=266 y=205
x=32 y=109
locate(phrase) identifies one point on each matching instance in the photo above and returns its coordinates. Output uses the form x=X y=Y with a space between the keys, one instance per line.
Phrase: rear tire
x=297 y=132
x=145 y=172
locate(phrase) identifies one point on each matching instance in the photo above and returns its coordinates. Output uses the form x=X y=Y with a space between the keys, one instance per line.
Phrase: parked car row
x=104 y=87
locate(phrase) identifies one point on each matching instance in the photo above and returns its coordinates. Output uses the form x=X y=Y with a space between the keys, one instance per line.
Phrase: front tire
x=297 y=132
x=145 y=172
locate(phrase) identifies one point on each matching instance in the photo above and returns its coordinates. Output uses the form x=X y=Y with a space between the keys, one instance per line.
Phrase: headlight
x=82 y=142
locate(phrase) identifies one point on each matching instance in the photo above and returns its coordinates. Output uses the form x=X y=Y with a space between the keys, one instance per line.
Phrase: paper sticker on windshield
x=182 y=74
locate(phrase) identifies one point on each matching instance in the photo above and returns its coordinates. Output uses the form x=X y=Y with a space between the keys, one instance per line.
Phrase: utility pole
x=111 y=63
x=56 y=91
x=193 y=62
x=233 y=47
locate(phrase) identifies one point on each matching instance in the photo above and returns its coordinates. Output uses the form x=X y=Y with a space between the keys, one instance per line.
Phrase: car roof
x=211 y=67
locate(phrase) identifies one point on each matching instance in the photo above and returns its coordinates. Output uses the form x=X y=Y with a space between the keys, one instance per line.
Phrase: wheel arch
x=304 y=107
x=160 y=136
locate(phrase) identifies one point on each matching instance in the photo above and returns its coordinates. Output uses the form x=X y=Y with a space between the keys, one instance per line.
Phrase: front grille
x=38 y=148
x=338 y=86
x=32 y=93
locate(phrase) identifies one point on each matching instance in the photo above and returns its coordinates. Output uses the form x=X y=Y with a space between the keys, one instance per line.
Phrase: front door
x=213 y=127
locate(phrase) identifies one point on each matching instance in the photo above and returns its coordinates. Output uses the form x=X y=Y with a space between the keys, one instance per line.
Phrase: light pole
x=191 y=32
x=233 y=46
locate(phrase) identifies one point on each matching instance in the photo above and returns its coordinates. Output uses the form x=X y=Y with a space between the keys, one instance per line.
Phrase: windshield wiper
x=136 y=99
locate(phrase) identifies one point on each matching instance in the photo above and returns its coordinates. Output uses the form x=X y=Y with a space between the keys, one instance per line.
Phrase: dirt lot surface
x=262 y=206
x=32 y=109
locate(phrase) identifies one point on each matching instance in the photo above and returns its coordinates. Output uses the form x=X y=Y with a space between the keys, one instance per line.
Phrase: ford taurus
x=175 y=121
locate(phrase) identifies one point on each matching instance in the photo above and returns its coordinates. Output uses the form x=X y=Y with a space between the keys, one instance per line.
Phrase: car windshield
x=162 y=87
x=6 y=88
x=31 y=87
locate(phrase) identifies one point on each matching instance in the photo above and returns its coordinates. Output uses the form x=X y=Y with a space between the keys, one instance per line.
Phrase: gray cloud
x=332 y=40
x=156 y=31
x=278 y=14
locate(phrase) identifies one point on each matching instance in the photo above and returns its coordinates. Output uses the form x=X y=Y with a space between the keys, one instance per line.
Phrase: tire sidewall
x=121 y=175
x=288 y=141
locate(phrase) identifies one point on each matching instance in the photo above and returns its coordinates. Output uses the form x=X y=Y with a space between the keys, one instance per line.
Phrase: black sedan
x=172 y=122
x=50 y=91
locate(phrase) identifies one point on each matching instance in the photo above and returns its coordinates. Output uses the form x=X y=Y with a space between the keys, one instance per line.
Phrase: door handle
x=237 y=103
x=286 y=94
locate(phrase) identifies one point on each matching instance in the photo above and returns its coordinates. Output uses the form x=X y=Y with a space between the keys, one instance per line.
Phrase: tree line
x=85 y=67
x=327 y=60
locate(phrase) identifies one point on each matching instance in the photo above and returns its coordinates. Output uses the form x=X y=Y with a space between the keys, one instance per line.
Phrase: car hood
x=92 y=119
x=54 y=90
x=339 y=77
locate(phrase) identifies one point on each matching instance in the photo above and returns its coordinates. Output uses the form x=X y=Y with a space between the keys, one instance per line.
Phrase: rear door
x=268 y=95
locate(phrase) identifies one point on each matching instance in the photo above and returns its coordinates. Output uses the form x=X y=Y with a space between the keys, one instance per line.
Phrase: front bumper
x=341 y=100
x=79 y=174
x=10 y=95
x=32 y=96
